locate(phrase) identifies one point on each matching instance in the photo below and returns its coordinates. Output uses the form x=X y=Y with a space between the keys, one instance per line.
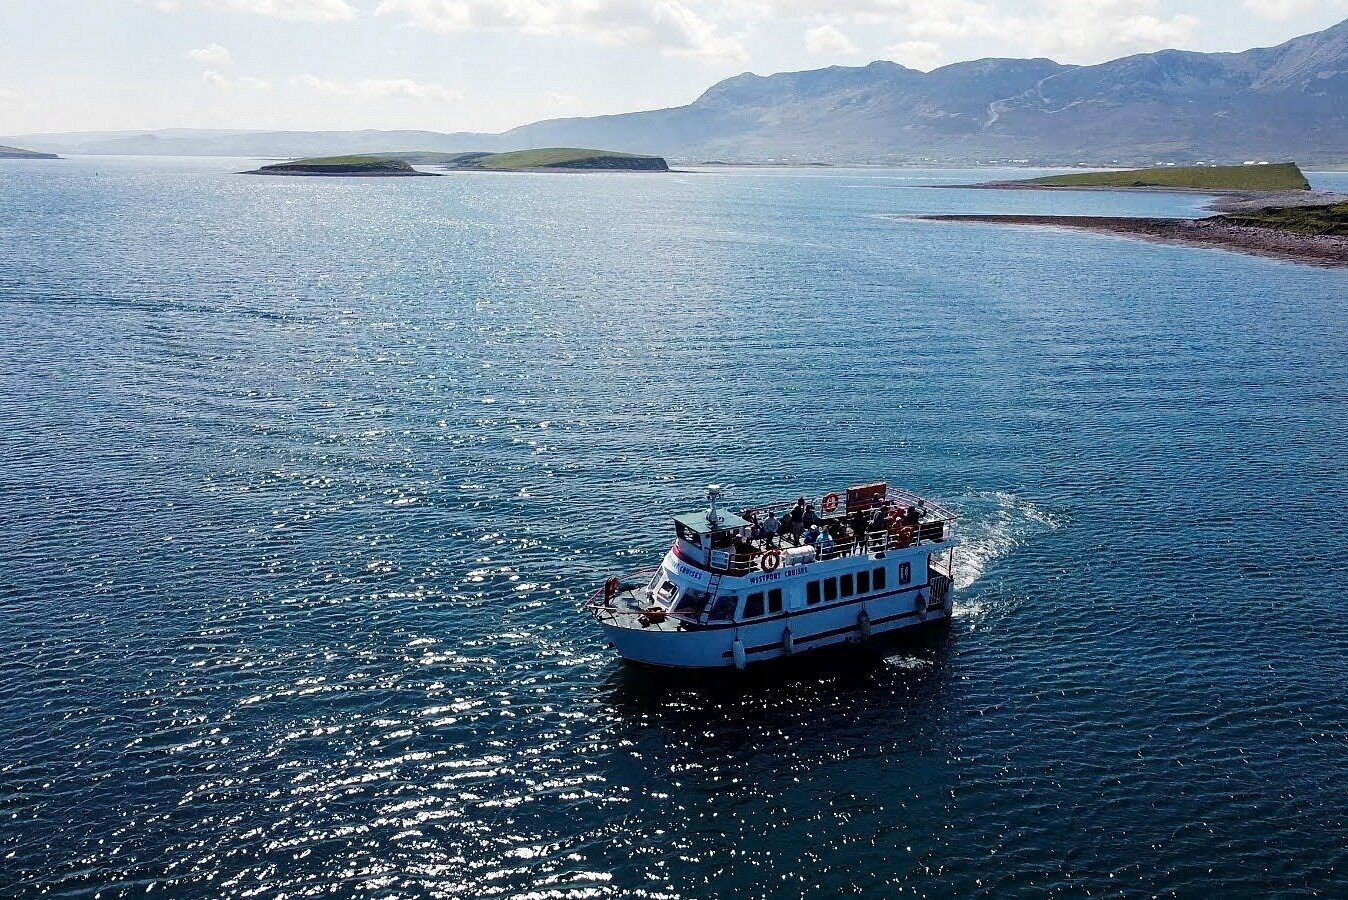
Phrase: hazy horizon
x=490 y=65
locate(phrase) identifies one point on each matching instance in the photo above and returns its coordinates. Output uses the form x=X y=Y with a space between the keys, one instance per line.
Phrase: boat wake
x=992 y=525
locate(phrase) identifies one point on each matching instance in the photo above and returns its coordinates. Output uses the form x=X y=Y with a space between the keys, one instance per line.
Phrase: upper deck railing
x=891 y=497
x=738 y=560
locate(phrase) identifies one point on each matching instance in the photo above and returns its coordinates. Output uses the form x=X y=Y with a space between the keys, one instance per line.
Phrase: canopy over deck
x=697 y=523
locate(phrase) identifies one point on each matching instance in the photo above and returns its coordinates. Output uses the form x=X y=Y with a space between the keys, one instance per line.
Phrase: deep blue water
x=303 y=480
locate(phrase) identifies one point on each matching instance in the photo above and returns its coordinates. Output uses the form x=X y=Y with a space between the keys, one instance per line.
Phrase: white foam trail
x=992 y=525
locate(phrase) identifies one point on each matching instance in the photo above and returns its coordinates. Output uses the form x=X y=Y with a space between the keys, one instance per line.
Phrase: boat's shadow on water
x=889 y=673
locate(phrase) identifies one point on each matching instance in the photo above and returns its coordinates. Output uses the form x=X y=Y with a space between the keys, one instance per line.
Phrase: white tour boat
x=731 y=592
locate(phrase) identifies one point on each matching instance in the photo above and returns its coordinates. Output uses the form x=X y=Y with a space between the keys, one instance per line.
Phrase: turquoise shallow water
x=303 y=480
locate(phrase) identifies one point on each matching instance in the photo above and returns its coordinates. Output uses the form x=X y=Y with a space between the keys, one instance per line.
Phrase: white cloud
x=562 y=101
x=381 y=89
x=826 y=40
x=672 y=26
x=1080 y=30
x=923 y=55
x=215 y=79
x=210 y=55
x=290 y=10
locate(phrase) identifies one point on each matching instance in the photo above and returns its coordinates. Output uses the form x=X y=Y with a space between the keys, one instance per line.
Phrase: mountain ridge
x=1286 y=101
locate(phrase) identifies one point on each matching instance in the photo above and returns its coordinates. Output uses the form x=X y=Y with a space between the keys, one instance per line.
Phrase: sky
x=488 y=65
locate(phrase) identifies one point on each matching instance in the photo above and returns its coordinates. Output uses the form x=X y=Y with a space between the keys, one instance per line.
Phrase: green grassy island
x=401 y=162
x=16 y=153
x=553 y=159
x=342 y=166
x=1280 y=177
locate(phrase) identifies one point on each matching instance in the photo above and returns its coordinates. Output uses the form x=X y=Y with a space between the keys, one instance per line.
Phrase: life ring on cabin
x=830 y=503
x=770 y=560
x=610 y=589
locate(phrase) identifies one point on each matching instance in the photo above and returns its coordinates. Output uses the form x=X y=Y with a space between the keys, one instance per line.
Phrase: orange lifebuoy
x=770 y=560
x=830 y=503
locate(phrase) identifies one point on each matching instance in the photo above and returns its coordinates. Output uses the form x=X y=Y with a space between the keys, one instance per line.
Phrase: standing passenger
x=859 y=528
x=770 y=528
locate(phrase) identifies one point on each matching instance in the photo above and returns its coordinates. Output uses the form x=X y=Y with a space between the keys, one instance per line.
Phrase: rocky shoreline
x=1318 y=250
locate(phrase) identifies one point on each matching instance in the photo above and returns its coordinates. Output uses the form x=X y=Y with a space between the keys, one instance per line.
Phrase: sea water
x=303 y=480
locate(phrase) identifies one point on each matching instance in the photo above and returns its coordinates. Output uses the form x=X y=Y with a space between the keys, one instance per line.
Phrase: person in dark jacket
x=859 y=528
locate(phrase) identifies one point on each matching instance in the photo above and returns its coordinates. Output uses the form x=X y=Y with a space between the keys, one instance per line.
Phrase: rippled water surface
x=304 y=478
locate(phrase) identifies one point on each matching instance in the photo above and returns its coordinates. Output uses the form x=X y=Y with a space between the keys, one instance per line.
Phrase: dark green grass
x=1280 y=177
x=567 y=158
x=1327 y=220
x=354 y=163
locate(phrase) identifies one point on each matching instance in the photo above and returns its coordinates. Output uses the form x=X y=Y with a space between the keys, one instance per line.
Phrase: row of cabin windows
x=761 y=603
x=852 y=584
x=826 y=590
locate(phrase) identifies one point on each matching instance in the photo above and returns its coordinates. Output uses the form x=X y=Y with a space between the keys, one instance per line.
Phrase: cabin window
x=830 y=590
x=812 y=593
x=863 y=582
x=905 y=573
x=753 y=606
x=878 y=576
x=845 y=585
x=774 y=601
x=691 y=603
x=667 y=590
x=723 y=610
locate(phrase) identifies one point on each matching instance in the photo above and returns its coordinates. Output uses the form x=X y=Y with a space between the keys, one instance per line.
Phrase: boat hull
x=793 y=634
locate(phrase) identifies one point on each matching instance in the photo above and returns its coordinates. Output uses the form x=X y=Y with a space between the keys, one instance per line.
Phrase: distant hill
x=16 y=153
x=1281 y=177
x=1284 y=102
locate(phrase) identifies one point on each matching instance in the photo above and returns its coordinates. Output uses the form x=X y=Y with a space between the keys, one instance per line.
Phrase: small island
x=557 y=159
x=1270 y=210
x=401 y=163
x=1201 y=179
x=17 y=153
x=363 y=166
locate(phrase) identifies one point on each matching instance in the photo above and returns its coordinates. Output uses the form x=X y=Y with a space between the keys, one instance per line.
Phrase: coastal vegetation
x=1280 y=177
x=358 y=165
x=1313 y=220
x=401 y=162
x=563 y=158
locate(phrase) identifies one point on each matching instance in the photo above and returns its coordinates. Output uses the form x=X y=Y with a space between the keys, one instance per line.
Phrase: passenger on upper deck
x=879 y=523
x=823 y=544
x=795 y=520
x=770 y=527
x=858 y=523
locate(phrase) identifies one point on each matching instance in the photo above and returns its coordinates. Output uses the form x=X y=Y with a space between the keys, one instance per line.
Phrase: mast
x=713 y=494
